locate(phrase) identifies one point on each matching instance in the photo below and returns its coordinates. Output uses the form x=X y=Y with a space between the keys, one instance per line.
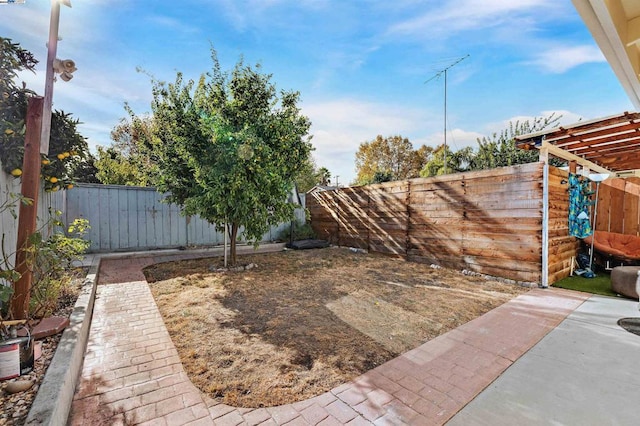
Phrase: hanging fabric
x=579 y=202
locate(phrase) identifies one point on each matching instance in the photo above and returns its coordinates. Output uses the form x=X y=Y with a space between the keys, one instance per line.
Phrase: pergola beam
x=611 y=142
x=566 y=155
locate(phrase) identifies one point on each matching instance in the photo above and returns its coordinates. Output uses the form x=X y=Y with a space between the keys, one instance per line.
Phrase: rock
x=18 y=386
x=239 y=268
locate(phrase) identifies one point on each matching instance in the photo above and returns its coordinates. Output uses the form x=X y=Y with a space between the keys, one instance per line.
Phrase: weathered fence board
x=47 y=201
x=487 y=221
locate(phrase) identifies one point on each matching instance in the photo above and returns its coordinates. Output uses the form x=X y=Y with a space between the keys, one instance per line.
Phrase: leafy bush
x=8 y=274
x=301 y=231
x=50 y=260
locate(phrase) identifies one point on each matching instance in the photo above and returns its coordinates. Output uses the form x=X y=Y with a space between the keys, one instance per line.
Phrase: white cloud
x=172 y=24
x=456 y=139
x=453 y=17
x=560 y=59
x=340 y=126
x=566 y=118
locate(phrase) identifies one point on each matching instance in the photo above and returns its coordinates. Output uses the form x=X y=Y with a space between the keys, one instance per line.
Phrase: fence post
x=28 y=213
x=368 y=192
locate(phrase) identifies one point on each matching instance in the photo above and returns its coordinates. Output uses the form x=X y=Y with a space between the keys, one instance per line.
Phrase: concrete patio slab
x=582 y=372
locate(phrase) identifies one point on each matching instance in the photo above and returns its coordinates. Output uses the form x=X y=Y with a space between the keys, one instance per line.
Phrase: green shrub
x=51 y=260
x=301 y=231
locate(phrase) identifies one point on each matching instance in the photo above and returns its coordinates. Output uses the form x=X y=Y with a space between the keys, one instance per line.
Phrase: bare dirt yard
x=303 y=322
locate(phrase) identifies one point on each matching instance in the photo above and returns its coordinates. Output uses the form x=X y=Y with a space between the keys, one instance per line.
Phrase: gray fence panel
x=9 y=225
x=200 y=232
x=125 y=218
x=122 y=218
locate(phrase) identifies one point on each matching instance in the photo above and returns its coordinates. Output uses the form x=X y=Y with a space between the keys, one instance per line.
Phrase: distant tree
x=228 y=148
x=311 y=175
x=381 y=177
x=500 y=149
x=323 y=176
x=306 y=178
x=457 y=161
x=85 y=170
x=128 y=161
x=393 y=156
x=116 y=169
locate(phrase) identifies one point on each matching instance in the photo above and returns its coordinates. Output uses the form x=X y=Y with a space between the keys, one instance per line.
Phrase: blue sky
x=360 y=66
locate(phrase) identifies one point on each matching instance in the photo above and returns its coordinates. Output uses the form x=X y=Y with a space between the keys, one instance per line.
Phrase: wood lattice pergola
x=606 y=145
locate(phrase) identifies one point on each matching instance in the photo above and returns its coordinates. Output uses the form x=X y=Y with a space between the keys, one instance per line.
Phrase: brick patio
x=132 y=373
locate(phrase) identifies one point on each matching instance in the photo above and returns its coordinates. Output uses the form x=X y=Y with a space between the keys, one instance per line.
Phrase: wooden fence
x=487 y=221
x=618 y=206
x=618 y=211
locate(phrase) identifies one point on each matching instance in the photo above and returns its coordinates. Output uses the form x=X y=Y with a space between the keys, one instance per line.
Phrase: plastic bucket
x=16 y=357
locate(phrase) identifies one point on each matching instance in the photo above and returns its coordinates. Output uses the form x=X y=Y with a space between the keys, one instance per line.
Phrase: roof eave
x=597 y=18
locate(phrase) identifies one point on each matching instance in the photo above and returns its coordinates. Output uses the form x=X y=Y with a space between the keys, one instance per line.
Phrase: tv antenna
x=436 y=76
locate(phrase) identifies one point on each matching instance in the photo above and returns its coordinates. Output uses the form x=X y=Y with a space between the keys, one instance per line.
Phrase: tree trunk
x=233 y=236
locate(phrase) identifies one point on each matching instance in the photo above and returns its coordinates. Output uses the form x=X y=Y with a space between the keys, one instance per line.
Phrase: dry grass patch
x=303 y=322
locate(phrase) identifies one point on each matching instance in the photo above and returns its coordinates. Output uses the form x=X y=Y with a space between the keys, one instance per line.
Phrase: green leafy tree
x=67 y=148
x=323 y=176
x=311 y=176
x=393 y=157
x=381 y=177
x=306 y=179
x=115 y=169
x=500 y=150
x=85 y=170
x=457 y=161
x=13 y=102
x=228 y=148
x=128 y=161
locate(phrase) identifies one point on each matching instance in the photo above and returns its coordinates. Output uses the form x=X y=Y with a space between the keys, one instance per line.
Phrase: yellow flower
x=16 y=172
x=8 y=132
x=53 y=179
x=70 y=186
x=55 y=188
x=60 y=156
x=66 y=154
x=45 y=161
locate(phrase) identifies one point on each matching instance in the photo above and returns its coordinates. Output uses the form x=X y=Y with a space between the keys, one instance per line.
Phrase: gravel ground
x=15 y=407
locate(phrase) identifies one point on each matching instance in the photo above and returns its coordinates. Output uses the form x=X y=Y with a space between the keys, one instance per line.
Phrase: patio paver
x=132 y=373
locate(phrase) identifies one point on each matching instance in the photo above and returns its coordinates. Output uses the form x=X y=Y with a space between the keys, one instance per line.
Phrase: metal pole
x=544 y=279
x=52 y=47
x=593 y=237
x=226 y=237
x=445 y=122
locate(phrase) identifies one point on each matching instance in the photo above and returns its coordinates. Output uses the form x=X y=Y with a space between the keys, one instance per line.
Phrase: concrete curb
x=55 y=395
x=203 y=252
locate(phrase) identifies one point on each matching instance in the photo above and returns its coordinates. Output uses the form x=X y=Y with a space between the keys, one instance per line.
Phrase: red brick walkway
x=132 y=373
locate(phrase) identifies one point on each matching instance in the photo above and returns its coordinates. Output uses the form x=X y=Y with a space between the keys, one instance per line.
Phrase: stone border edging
x=55 y=395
